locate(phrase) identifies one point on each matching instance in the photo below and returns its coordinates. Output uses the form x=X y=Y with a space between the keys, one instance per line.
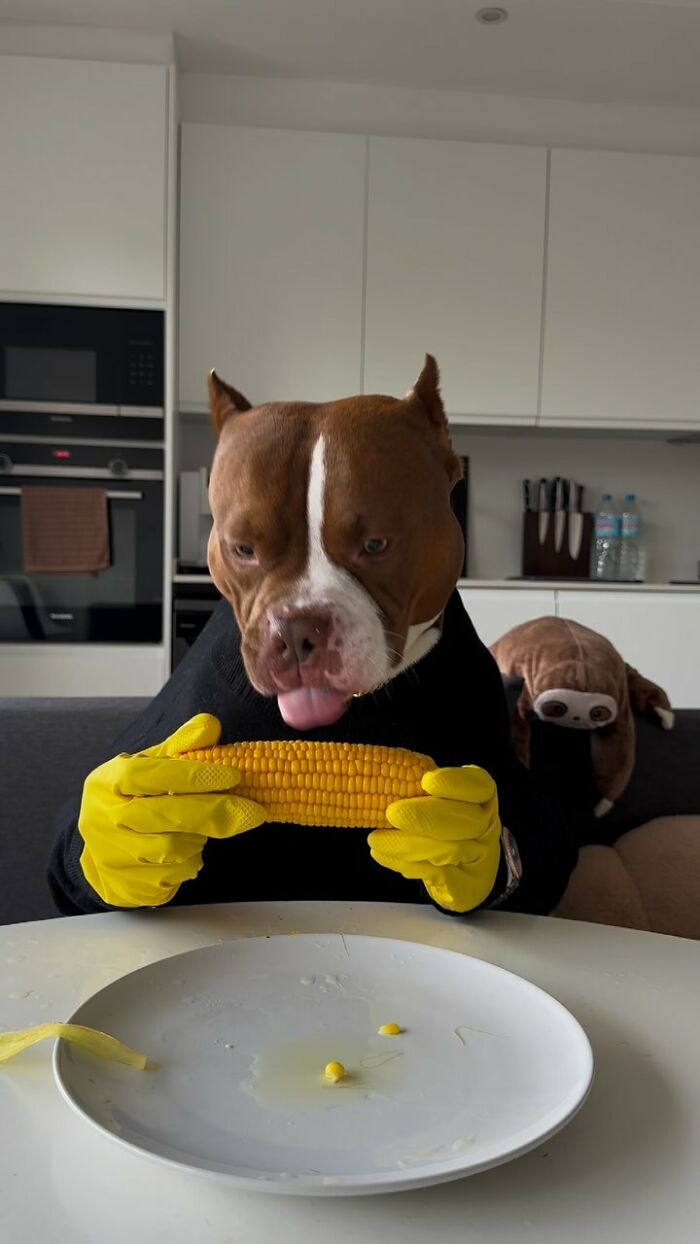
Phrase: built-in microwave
x=89 y=362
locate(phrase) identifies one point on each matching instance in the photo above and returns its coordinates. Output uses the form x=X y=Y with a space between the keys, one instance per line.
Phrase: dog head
x=333 y=539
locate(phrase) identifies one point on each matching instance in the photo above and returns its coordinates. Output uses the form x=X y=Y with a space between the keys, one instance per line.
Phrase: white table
x=627 y=1169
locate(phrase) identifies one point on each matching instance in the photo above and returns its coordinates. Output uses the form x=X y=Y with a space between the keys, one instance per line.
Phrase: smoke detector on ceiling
x=491 y=16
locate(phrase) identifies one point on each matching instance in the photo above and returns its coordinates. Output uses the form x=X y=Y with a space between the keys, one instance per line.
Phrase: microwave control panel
x=144 y=368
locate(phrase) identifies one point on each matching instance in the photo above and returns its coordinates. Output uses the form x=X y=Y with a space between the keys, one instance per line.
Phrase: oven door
x=122 y=604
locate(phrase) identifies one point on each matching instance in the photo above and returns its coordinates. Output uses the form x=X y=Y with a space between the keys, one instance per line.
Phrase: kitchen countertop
x=537 y=585
x=625 y=1169
x=575 y=585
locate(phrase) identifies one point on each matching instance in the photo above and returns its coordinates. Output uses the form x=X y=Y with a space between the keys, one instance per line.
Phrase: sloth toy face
x=576 y=710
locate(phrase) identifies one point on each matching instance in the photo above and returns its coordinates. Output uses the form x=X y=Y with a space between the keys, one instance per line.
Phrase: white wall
x=400 y=111
x=666 y=479
x=87 y=43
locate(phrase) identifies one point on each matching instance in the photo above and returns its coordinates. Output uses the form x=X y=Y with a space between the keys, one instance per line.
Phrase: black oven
x=81 y=407
x=122 y=603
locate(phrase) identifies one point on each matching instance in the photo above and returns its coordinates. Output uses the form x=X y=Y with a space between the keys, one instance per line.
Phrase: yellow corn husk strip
x=91 y=1039
x=341 y=784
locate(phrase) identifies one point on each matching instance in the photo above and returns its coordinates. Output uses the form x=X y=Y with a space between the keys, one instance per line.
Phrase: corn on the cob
x=303 y=783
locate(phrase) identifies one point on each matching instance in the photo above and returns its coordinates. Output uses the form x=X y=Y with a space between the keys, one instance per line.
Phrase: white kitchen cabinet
x=659 y=634
x=495 y=610
x=455 y=242
x=83 y=150
x=622 y=321
x=271 y=262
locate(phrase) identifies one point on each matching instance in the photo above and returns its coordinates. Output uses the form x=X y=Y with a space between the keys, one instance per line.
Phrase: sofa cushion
x=665 y=780
x=48 y=747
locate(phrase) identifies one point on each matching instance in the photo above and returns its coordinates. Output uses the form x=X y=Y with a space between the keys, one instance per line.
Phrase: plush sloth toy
x=573 y=677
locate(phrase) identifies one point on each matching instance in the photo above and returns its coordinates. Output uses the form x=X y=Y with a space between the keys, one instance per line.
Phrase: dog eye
x=375 y=544
x=244 y=552
x=600 y=713
x=554 y=708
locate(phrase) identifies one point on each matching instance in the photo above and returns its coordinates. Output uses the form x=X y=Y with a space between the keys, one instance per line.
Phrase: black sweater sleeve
x=545 y=842
x=70 y=890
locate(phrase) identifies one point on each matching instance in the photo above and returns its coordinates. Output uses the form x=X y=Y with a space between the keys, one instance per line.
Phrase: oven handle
x=111 y=496
x=56 y=472
x=23 y=406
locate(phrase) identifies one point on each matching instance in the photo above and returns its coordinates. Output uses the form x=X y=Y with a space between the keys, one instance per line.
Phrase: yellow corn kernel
x=389 y=1030
x=299 y=782
x=334 y=1072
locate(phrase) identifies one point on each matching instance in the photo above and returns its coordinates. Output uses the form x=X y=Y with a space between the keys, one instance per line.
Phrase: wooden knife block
x=543 y=559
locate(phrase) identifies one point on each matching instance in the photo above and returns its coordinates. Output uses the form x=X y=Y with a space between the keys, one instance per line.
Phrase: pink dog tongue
x=306 y=707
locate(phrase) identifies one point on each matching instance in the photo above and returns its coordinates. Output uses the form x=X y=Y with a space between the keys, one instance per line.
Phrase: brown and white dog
x=333 y=539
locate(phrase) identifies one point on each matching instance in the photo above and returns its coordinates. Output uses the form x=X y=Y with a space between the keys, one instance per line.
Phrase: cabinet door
x=622 y=321
x=271 y=262
x=454 y=267
x=495 y=610
x=657 y=633
x=83 y=160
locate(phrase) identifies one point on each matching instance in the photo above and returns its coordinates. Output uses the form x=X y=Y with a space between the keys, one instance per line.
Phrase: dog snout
x=299 y=640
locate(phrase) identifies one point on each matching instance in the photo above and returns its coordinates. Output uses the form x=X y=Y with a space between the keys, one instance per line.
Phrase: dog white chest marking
x=419 y=640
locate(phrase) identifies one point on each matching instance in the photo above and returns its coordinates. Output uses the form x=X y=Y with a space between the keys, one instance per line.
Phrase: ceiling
x=633 y=51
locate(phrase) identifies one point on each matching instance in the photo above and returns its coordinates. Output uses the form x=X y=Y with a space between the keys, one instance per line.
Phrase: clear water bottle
x=631 y=567
x=606 y=540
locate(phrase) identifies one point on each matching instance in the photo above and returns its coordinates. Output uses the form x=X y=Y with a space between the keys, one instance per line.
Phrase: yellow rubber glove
x=144 y=819
x=450 y=842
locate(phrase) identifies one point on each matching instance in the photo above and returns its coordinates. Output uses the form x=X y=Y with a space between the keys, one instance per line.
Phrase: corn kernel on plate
x=328 y=1064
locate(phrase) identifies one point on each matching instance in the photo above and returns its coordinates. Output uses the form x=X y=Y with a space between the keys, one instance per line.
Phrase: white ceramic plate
x=486 y=1068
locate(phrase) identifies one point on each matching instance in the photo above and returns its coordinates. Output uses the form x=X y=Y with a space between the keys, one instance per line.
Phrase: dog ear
x=425 y=396
x=426 y=392
x=224 y=401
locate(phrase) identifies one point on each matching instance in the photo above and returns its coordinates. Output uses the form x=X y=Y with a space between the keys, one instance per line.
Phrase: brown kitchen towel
x=65 y=530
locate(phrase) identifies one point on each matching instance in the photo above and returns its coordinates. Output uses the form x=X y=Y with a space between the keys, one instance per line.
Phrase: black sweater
x=450 y=706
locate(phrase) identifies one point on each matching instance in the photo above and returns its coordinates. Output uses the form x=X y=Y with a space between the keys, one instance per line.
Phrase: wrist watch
x=514 y=867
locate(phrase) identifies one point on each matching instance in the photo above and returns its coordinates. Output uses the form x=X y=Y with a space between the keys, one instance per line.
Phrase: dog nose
x=298 y=637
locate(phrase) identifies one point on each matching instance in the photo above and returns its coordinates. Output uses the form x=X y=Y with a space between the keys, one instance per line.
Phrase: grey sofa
x=47 y=746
